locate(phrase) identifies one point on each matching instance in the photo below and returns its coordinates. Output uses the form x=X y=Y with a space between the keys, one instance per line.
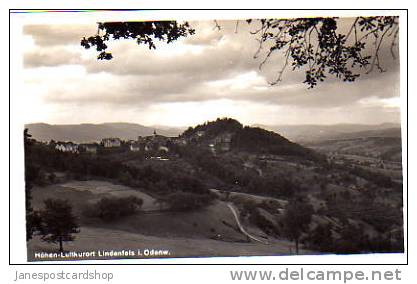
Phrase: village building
x=154 y=143
x=134 y=147
x=68 y=147
x=200 y=133
x=160 y=139
x=223 y=142
x=196 y=136
x=179 y=141
x=212 y=148
x=111 y=142
x=162 y=148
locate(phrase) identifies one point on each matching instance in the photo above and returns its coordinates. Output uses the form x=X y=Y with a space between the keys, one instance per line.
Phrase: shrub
x=320 y=238
x=262 y=223
x=112 y=208
x=184 y=201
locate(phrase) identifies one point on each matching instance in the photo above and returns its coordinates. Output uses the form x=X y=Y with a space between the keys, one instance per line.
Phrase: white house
x=111 y=142
x=67 y=147
x=134 y=147
x=163 y=149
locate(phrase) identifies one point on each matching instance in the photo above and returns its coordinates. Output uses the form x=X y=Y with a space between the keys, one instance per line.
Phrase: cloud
x=198 y=74
x=224 y=57
x=52 y=35
x=51 y=57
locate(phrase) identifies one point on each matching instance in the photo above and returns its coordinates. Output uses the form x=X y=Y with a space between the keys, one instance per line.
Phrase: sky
x=195 y=79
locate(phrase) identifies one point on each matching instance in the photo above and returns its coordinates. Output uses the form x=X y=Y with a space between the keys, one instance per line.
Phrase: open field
x=94 y=239
x=211 y=231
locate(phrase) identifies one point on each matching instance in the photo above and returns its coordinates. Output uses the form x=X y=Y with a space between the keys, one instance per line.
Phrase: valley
x=224 y=189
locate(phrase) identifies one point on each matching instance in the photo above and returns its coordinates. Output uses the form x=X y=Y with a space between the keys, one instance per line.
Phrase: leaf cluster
x=317 y=46
x=143 y=32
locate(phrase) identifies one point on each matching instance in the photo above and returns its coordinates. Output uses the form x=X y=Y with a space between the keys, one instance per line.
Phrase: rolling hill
x=247 y=139
x=314 y=133
x=381 y=143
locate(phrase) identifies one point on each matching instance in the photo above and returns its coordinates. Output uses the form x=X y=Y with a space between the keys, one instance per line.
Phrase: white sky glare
x=208 y=75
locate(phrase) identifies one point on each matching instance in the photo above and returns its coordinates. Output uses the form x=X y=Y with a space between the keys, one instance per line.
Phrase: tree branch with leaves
x=142 y=32
x=315 y=45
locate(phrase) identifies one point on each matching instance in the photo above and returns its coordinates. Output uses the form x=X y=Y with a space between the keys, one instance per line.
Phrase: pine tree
x=58 y=224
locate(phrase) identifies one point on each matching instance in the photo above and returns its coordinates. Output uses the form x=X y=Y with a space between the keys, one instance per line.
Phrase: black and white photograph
x=176 y=138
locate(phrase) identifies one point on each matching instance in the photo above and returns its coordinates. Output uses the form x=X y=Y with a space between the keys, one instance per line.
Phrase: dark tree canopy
x=297 y=217
x=313 y=45
x=58 y=224
x=31 y=174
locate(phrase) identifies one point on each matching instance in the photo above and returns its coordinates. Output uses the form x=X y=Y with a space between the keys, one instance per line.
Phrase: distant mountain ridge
x=88 y=132
x=314 y=133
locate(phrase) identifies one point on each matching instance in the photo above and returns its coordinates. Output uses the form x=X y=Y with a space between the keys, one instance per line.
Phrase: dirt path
x=236 y=215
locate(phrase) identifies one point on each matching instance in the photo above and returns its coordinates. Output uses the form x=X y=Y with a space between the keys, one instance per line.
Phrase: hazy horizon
x=185 y=126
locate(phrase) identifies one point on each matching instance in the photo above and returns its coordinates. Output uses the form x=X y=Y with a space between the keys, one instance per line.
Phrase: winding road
x=236 y=215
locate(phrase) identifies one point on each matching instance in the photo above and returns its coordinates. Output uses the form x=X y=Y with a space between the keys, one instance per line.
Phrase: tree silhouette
x=58 y=224
x=321 y=239
x=296 y=219
x=141 y=32
x=31 y=173
x=314 y=45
